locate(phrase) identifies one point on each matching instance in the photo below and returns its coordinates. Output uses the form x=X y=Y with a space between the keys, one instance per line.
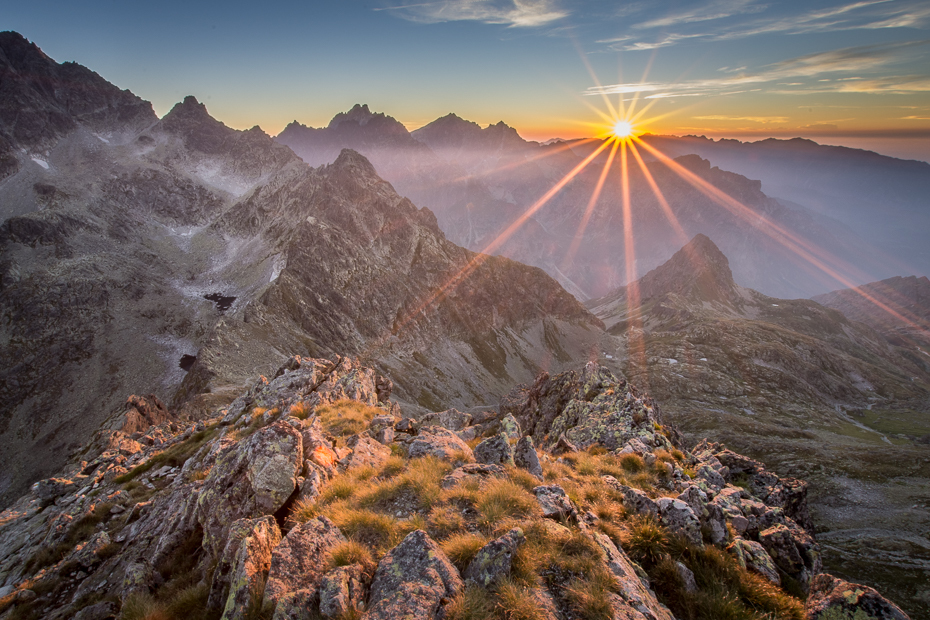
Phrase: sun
x=622 y=129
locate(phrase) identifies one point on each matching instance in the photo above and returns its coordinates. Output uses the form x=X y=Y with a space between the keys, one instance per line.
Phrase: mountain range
x=181 y=258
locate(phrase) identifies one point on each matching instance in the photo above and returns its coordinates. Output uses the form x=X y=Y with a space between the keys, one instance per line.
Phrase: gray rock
x=250 y=566
x=678 y=517
x=526 y=457
x=831 y=596
x=366 y=452
x=342 y=591
x=635 y=500
x=99 y=611
x=495 y=451
x=439 y=442
x=554 y=502
x=296 y=605
x=300 y=560
x=687 y=577
x=753 y=557
x=250 y=479
x=471 y=472
x=414 y=580
x=510 y=427
x=493 y=561
x=451 y=419
x=633 y=589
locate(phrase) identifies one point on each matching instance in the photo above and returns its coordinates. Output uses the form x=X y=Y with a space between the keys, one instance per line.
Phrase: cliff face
x=312 y=495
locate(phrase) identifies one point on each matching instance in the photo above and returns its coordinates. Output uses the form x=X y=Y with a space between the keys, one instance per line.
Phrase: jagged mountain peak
x=361 y=115
x=699 y=271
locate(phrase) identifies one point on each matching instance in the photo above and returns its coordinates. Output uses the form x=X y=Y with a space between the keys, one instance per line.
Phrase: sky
x=855 y=73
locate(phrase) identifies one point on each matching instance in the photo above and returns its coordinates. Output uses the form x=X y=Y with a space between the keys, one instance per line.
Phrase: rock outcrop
x=257 y=510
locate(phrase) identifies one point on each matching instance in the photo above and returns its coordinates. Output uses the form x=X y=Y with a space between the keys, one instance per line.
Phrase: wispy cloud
x=717 y=9
x=864 y=14
x=857 y=60
x=511 y=13
x=753 y=119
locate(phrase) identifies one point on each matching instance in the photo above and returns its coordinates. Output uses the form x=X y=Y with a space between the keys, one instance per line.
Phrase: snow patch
x=671 y=361
x=774 y=305
x=41 y=162
x=703 y=359
x=278 y=265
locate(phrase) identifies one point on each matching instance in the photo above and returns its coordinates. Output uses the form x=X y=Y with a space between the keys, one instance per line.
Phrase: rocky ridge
x=799 y=386
x=305 y=498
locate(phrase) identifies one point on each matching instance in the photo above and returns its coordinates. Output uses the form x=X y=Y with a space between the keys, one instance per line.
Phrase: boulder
x=495 y=451
x=250 y=567
x=831 y=596
x=342 y=591
x=439 y=442
x=414 y=580
x=299 y=562
x=451 y=419
x=554 y=502
x=510 y=428
x=252 y=478
x=297 y=605
x=492 y=562
x=526 y=457
x=635 y=500
x=678 y=517
x=366 y=452
x=471 y=472
x=793 y=550
x=633 y=589
x=753 y=557
x=98 y=611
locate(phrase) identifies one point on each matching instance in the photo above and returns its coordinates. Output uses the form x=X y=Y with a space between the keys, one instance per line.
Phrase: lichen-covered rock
x=492 y=562
x=471 y=472
x=526 y=457
x=342 y=591
x=439 y=442
x=633 y=589
x=510 y=428
x=793 y=550
x=87 y=554
x=47 y=491
x=296 y=605
x=713 y=523
x=451 y=419
x=678 y=517
x=226 y=563
x=753 y=556
x=687 y=577
x=366 y=452
x=495 y=451
x=635 y=500
x=830 y=596
x=588 y=407
x=554 y=502
x=299 y=562
x=98 y=611
x=414 y=580
x=252 y=478
x=250 y=567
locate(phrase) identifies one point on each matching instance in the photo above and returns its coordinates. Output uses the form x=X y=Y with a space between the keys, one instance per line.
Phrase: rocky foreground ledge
x=311 y=496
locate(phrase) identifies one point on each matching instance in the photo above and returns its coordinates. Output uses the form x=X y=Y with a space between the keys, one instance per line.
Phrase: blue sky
x=842 y=70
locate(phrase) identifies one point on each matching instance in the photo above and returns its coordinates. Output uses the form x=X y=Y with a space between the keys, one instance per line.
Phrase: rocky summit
x=313 y=495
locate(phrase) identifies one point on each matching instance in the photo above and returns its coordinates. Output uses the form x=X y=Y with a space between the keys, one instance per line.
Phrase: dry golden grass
x=346 y=417
x=501 y=498
x=461 y=548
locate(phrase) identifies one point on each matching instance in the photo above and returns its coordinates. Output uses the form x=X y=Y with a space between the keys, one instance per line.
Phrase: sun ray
x=582 y=226
x=666 y=208
x=799 y=246
x=485 y=253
